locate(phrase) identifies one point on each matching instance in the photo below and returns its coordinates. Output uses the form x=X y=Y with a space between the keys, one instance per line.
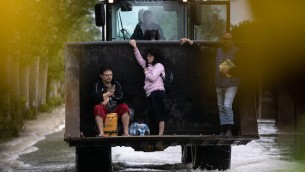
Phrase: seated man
x=147 y=24
x=107 y=96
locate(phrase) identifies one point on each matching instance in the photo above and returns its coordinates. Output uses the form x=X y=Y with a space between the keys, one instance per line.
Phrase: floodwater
x=41 y=148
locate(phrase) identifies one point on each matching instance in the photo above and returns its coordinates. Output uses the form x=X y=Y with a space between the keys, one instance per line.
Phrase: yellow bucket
x=111 y=125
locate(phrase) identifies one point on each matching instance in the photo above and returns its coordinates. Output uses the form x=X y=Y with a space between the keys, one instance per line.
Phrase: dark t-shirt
x=138 y=33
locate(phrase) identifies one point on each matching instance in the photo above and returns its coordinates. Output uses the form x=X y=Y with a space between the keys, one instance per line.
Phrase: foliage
x=243 y=31
x=212 y=25
x=10 y=127
x=51 y=104
x=37 y=28
x=84 y=30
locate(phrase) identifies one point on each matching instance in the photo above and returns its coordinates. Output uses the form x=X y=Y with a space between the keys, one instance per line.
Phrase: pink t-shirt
x=153 y=80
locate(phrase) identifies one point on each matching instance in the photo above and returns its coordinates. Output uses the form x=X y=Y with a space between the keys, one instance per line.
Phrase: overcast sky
x=240 y=11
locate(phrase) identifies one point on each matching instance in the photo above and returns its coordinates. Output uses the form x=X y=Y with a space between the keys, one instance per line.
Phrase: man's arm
x=137 y=33
x=190 y=42
x=99 y=94
x=96 y=94
x=118 y=94
x=109 y=93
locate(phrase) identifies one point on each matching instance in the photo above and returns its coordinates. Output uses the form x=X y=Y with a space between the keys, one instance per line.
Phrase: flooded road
x=41 y=148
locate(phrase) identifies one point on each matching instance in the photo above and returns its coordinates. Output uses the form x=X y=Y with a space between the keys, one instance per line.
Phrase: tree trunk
x=260 y=100
x=34 y=75
x=14 y=88
x=43 y=78
x=54 y=89
x=24 y=86
x=5 y=111
x=4 y=91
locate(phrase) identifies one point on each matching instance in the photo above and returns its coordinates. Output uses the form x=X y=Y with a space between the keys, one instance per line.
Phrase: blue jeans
x=225 y=98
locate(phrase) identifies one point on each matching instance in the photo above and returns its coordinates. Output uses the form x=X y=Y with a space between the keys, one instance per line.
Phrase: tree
x=212 y=24
x=243 y=31
x=32 y=38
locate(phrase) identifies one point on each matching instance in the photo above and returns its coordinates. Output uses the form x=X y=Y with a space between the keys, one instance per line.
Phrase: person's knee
x=100 y=117
x=99 y=110
x=124 y=108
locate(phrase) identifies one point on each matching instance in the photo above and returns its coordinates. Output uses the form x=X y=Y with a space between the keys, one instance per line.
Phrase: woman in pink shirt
x=153 y=84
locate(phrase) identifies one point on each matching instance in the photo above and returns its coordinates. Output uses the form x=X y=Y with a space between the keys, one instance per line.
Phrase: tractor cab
x=197 y=20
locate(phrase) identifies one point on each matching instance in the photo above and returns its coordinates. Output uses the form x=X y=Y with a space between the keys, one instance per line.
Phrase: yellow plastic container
x=111 y=125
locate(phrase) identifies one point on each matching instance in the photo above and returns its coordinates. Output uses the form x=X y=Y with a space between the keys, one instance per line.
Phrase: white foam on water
x=33 y=132
x=171 y=155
